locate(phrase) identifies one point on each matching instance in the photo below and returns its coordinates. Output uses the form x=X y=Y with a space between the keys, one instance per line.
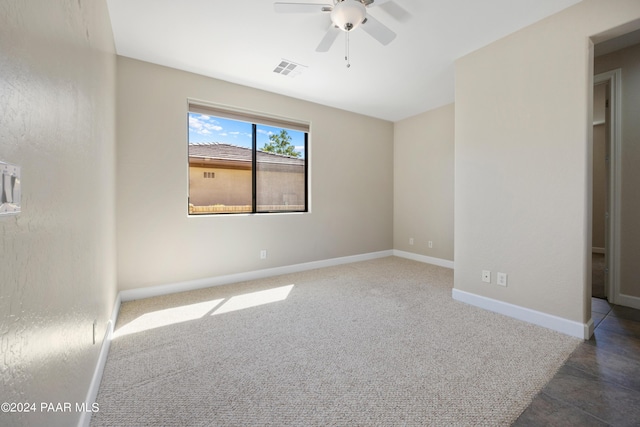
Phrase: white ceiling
x=242 y=41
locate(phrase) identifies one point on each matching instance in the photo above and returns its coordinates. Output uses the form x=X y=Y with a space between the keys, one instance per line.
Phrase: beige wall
x=57 y=87
x=351 y=184
x=278 y=185
x=423 y=183
x=523 y=161
x=229 y=187
x=599 y=200
x=629 y=61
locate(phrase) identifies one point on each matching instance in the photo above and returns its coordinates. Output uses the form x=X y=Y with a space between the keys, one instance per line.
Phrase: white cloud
x=203 y=125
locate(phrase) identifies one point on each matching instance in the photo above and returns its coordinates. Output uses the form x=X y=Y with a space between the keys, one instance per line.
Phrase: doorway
x=600 y=187
x=615 y=59
x=606 y=185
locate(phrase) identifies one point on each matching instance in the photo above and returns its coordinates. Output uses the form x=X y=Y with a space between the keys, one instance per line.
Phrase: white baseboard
x=628 y=301
x=92 y=394
x=565 y=326
x=423 y=258
x=588 y=329
x=190 y=285
x=598 y=250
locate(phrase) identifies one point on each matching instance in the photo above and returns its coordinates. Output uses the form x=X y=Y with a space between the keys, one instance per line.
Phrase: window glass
x=239 y=166
x=280 y=169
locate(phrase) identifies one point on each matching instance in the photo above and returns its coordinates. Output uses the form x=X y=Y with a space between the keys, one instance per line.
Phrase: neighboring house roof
x=229 y=152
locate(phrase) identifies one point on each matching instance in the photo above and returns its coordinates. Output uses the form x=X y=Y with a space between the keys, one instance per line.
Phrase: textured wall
x=423 y=183
x=351 y=184
x=629 y=61
x=523 y=161
x=57 y=258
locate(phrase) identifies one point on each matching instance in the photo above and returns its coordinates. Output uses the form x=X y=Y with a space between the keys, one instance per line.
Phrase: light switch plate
x=10 y=194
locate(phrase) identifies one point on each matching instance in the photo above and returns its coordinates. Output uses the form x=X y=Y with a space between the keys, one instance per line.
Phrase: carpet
x=374 y=343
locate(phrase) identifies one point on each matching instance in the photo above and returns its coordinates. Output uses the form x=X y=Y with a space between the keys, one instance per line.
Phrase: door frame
x=614 y=78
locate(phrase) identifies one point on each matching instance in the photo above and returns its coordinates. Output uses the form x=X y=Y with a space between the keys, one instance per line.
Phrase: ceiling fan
x=347 y=15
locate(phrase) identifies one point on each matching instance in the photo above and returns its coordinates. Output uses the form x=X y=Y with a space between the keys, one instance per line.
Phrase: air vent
x=288 y=68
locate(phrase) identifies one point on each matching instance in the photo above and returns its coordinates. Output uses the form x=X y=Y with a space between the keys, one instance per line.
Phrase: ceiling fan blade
x=301 y=7
x=328 y=39
x=395 y=10
x=378 y=30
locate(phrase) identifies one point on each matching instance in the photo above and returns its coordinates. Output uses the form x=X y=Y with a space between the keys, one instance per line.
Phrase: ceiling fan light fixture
x=348 y=14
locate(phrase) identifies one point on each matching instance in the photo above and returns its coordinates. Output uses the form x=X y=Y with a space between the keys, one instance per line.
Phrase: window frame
x=255 y=119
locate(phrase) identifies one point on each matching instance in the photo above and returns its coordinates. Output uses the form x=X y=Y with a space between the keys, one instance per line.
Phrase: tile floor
x=599 y=385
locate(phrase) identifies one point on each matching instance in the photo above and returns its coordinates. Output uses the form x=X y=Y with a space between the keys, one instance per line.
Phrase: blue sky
x=216 y=129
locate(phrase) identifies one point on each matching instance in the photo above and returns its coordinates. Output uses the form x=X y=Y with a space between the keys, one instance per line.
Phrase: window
x=241 y=162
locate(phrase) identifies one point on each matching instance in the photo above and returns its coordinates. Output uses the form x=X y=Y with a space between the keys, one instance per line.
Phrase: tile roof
x=222 y=151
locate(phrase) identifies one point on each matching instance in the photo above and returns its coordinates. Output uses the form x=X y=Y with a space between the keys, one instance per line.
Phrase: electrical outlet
x=486 y=276
x=430 y=243
x=502 y=279
x=411 y=240
x=263 y=254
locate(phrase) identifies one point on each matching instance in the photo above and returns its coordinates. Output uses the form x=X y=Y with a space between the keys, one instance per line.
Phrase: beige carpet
x=375 y=343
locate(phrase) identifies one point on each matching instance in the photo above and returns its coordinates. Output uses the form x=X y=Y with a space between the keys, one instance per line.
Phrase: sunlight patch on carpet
x=169 y=316
x=185 y=313
x=254 y=299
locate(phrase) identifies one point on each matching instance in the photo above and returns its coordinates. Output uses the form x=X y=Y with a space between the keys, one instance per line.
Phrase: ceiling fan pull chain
x=346 y=56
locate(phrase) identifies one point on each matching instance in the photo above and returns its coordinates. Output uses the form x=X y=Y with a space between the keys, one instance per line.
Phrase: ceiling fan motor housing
x=348 y=14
